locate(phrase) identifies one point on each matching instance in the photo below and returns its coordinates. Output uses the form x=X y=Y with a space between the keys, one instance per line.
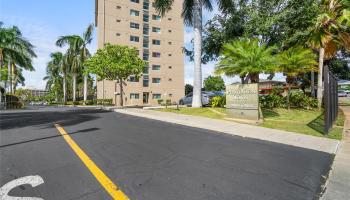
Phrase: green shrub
x=218 y=101
x=160 y=101
x=69 y=103
x=108 y=101
x=300 y=100
x=297 y=99
x=272 y=101
x=75 y=103
x=88 y=102
x=104 y=101
x=168 y=102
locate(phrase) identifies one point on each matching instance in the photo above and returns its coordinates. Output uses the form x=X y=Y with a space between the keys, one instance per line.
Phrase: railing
x=330 y=99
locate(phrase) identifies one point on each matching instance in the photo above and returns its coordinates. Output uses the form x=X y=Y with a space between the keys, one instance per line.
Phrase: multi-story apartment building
x=159 y=41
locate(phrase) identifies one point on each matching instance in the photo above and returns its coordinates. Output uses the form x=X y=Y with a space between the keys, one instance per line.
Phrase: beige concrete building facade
x=160 y=42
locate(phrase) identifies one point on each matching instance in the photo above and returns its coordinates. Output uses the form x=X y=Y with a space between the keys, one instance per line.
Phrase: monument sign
x=242 y=101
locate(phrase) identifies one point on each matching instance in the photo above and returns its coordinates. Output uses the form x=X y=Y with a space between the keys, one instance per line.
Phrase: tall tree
x=214 y=83
x=294 y=62
x=192 y=14
x=15 y=50
x=330 y=34
x=247 y=59
x=78 y=53
x=53 y=73
x=115 y=62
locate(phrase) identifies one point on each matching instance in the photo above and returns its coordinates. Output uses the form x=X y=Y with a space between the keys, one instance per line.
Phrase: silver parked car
x=206 y=97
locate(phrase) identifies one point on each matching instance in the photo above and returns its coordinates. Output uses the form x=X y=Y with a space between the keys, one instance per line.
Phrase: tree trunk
x=319 y=78
x=121 y=92
x=288 y=96
x=9 y=75
x=64 y=88
x=312 y=83
x=74 y=86
x=85 y=87
x=242 y=79
x=197 y=79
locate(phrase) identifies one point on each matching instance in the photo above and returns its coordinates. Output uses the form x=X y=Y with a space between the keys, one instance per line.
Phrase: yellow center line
x=106 y=183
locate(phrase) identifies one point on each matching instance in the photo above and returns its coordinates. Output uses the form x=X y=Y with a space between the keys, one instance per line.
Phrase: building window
x=169 y=54
x=155 y=80
x=156 y=17
x=145 y=18
x=156 y=42
x=145 y=5
x=135 y=1
x=170 y=79
x=134 y=38
x=145 y=56
x=170 y=67
x=134 y=13
x=156 y=54
x=145 y=70
x=134 y=96
x=118 y=7
x=145 y=82
x=118 y=20
x=169 y=43
x=170 y=95
x=169 y=19
x=156 y=96
x=145 y=30
x=169 y=31
x=117 y=34
x=133 y=79
x=156 y=67
x=155 y=30
x=134 y=25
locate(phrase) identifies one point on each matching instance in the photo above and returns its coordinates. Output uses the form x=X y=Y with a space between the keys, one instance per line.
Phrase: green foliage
x=272 y=101
x=24 y=94
x=244 y=57
x=104 y=101
x=76 y=103
x=115 y=62
x=188 y=89
x=168 y=102
x=297 y=100
x=218 y=101
x=300 y=100
x=160 y=101
x=214 y=83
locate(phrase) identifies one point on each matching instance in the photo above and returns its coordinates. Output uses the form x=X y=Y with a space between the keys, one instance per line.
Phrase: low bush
x=89 y=102
x=297 y=100
x=104 y=101
x=273 y=101
x=160 y=101
x=218 y=101
x=76 y=103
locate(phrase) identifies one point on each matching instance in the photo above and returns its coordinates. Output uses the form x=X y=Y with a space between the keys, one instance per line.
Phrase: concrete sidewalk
x=244 y=130
x=338 y=185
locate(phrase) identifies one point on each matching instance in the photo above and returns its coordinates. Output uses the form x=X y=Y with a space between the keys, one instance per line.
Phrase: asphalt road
x=148 y=159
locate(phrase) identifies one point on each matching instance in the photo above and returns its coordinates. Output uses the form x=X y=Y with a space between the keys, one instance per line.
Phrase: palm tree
x=247 y=59
x=78 y=53
x=294 y=62
x=15 y=50
x=330 y=33
x=53 y=70
x=192 y=14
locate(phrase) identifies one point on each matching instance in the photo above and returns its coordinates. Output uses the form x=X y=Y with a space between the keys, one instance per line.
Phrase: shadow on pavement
x=47 y=118
x=48 y=137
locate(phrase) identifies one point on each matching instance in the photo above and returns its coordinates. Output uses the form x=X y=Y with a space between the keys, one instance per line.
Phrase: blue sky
x=43 y=21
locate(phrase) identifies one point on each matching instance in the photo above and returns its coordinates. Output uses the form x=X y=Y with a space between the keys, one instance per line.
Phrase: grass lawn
x=309 y=122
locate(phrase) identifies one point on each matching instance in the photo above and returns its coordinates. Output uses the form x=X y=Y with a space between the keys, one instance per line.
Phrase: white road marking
x=31 y=180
